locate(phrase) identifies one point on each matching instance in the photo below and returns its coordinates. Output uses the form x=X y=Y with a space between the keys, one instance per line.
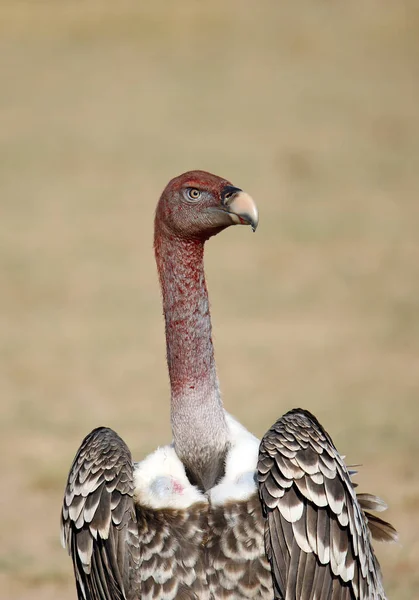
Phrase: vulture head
x=197 y=205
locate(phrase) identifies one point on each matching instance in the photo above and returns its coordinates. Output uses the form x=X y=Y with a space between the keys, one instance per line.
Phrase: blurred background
x=311 y=107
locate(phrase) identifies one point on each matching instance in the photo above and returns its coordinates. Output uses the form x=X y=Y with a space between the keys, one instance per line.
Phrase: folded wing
x=317 y=536
x=98 y=522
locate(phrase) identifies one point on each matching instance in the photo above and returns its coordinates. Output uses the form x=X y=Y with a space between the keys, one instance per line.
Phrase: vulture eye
x=193 y=193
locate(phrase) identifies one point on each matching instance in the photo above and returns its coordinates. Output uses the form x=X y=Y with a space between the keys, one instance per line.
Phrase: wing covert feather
x=98 y=521
x=317 y=535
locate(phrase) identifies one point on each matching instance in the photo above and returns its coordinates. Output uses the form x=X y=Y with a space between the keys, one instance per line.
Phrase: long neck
x=197 y=416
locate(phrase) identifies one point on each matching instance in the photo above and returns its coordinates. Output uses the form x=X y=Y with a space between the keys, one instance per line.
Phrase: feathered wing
x=317 y=535
x=98 y=521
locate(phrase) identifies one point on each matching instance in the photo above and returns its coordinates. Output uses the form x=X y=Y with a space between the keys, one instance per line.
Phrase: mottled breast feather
x=171 y=559
x=204 y=552
x=317 y=537
x=237 y=566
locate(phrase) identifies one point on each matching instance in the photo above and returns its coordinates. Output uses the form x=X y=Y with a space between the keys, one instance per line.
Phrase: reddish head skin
x=185 y=219
x=188 y=218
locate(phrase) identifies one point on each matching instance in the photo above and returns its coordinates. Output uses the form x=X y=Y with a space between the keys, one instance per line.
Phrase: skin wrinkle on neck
x=197 y=415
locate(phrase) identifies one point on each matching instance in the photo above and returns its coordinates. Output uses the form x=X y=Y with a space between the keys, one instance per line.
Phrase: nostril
x=228 y=192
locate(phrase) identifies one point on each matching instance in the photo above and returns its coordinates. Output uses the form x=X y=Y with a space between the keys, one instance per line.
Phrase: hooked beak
x=240 y=206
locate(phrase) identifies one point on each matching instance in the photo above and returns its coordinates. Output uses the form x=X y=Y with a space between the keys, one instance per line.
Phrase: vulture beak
x=240 y=206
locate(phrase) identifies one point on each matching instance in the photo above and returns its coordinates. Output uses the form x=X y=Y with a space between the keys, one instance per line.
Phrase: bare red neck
x=197 y=416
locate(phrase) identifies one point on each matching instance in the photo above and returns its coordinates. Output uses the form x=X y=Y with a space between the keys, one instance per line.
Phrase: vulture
x=216 y=514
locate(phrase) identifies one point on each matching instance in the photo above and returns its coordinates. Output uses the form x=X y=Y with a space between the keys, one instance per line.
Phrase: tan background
x=312 y=107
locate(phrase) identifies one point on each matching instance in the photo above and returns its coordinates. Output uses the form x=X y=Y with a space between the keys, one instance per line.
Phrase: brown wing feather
x=317 y=537
x=98 y=522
